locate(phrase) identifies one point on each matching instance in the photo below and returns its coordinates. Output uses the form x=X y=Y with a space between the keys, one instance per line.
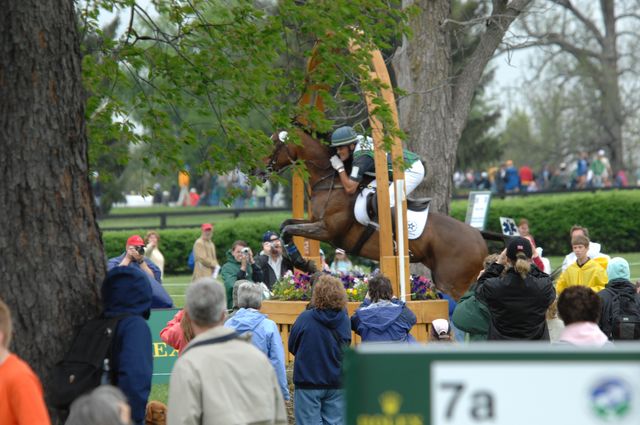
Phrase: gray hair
x=99 y=407
x=250 y=295
x=205 y=302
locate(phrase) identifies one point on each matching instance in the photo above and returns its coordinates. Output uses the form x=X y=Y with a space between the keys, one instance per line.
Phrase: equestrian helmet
x=343 y=136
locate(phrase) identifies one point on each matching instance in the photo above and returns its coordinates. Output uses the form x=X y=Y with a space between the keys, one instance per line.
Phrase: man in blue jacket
x=127 y=291
x=133 y=257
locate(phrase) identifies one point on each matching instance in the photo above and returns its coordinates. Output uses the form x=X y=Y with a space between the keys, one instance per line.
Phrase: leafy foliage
x=205 y=82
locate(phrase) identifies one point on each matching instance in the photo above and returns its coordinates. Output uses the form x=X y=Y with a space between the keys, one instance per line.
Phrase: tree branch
x=587 y=22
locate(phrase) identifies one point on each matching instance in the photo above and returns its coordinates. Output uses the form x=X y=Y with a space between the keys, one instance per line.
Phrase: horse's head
x=287 y=152
x=282 y=155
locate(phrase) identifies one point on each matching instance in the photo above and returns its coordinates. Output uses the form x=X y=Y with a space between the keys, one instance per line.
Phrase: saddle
x=419 y=204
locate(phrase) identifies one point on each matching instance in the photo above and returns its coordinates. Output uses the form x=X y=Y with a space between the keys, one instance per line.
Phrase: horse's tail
x=495 y=236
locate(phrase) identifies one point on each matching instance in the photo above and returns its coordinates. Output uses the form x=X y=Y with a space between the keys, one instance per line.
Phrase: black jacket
x=518 y=307
x=607 y=295
x=269 y=277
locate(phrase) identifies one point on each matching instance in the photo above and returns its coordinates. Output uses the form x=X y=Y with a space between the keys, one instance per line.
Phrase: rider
x=350 y=145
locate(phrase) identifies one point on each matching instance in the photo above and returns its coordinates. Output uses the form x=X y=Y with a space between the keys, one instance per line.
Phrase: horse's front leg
x=313 y=230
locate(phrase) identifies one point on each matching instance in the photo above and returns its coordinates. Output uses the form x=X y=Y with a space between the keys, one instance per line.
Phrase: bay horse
x=452 y=250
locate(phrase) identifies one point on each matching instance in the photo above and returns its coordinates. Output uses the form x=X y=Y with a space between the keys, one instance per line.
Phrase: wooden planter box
x=285 y=313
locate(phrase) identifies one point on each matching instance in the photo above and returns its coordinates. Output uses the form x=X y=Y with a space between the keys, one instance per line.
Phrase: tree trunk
x=612 y=108
x=435 y=111
x=51 y=254
x=422 y=66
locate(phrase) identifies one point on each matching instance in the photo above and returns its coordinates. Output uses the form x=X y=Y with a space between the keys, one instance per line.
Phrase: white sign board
x=478 y=209
x=572 y=393
x=508 y=226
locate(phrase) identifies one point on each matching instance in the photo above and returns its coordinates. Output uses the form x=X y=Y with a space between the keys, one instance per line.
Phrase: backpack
x=626 y=317
x=87 y=363
x=191 y=260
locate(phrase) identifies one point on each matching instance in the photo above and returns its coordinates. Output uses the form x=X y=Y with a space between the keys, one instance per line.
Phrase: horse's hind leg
x=292 y=221
x=313 y=230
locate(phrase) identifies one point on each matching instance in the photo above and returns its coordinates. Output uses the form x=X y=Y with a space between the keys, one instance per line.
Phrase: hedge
x=611 y=216
x=612 y=219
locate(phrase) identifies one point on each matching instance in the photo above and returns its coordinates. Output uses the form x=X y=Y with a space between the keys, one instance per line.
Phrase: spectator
x=382 y=317
x=241 y=388
x=105 y=405
x=593 y=252
x=618 y=288
x=511 y=178
x=341 y=263
x=323 y=261
x=152 y=251
x=621 y=178
x=440 y=331
x=178 y=332
x=134 y=258
x=273 y=264
x=264 y=332
x=526 y=178
x=317 y=339
x=471 y=315
x=127 y=291
x=582 y=170
x=579 y=308
x=239 y=265
x=204 y=253
x=21 y=396
x=518 y=301
x=598 y=168
x=183 y=182
x=523 y=229
x=194 y=198
x=559 y=178
x=583 y=271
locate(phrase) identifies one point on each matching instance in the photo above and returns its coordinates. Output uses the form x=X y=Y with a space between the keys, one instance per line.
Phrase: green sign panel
x=497 y=384
x=164 y=356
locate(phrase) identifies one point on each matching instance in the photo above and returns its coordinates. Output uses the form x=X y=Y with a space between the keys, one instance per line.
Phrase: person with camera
x=274 y=264
x=133 y=256
x=240 y=265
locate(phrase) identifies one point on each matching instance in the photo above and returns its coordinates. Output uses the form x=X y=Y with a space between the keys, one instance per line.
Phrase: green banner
x=164 y=356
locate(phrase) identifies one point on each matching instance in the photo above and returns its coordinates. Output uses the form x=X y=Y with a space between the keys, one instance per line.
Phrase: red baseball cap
x=207 y=226
x=135 y=240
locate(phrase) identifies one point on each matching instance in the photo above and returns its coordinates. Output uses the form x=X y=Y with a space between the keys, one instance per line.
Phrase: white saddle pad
x=416 y=220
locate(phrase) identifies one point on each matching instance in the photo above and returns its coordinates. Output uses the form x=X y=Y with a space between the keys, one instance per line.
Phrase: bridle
x=274 y=156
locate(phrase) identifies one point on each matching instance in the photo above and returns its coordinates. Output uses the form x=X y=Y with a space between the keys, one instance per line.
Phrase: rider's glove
x=337 y=163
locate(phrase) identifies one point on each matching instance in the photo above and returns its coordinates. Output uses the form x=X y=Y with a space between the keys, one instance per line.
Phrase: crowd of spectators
x=586 y=171
x=222 y=324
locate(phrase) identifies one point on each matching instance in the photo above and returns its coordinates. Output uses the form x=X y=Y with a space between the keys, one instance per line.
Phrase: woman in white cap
x=519 y=299
x=341 y=263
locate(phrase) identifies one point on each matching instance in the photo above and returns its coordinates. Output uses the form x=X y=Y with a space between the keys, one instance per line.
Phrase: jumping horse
x=452 y=250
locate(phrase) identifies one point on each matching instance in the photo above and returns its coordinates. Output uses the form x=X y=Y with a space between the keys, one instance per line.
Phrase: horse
x=452 y=250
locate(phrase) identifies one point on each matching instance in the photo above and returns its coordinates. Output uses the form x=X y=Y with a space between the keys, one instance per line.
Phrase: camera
x=140 y=249
x=245 y=250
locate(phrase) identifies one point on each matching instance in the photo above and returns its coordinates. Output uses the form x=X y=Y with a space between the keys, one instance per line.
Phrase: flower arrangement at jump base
x=422 y=288
x=297 y=287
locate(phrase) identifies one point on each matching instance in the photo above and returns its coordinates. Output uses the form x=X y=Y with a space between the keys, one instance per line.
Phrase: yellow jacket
x=591 y=274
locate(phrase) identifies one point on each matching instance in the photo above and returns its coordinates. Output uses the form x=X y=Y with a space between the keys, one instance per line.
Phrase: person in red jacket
x=21 y=396
x=178 y=332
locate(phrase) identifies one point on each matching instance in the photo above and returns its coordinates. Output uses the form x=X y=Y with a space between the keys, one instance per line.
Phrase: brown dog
x=156 y=413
